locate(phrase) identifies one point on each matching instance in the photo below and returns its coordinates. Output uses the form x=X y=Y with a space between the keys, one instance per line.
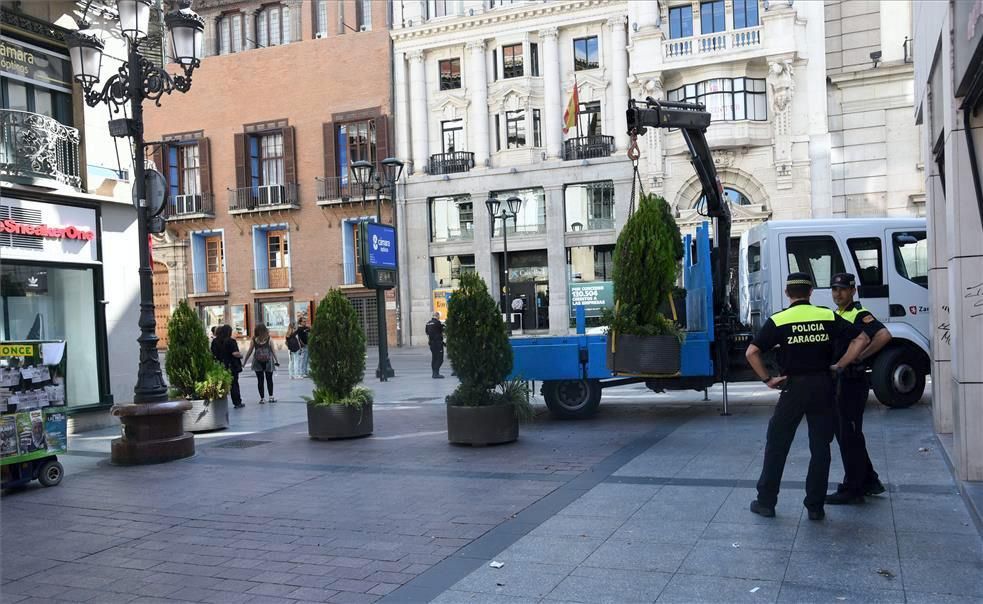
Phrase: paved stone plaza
x=646 y=502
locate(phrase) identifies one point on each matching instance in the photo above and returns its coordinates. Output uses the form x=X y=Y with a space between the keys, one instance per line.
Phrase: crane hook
x=633 y=153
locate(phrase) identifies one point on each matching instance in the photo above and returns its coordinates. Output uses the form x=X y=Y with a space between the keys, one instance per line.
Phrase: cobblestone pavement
x=646 y=502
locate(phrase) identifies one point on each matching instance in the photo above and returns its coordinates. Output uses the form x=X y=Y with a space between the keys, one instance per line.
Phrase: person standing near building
x=806 y=337
x=229 y=355
x=296 y=356
x=304 y=334
x=435 y=336
x=852 y=389
x=264 y=360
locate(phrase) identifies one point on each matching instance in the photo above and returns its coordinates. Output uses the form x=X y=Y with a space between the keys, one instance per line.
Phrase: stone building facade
x=801 y=128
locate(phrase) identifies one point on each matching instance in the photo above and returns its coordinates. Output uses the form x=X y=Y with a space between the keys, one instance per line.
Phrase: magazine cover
x=38 y=440
x=8 y=435
x=24 y=437
x=56 y=426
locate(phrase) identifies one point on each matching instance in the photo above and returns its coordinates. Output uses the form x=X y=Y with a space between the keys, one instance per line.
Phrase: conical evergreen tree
x=646 y=264
x=188 y=356
x=336 y=347
x=477 y=340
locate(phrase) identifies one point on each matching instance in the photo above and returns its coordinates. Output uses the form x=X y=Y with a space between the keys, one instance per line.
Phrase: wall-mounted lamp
x=875 y=57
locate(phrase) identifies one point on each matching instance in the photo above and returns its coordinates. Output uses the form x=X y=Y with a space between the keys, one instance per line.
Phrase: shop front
x=51 y=288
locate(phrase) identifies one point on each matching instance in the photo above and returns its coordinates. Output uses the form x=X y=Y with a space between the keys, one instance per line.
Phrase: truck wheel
x=51 y=473
x=572 y=399
x=897 y=378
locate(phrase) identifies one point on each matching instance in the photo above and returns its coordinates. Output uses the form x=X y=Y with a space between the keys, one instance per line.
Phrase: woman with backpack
x=295 y=347
x=227 y=352
x=264 y=360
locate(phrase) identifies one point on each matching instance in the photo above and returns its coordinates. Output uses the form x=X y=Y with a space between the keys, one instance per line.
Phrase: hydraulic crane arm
x=692 y=121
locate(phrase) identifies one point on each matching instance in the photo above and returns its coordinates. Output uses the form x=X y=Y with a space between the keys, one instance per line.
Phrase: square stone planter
x=331 y=422
x=479 y=426
x=205 y=416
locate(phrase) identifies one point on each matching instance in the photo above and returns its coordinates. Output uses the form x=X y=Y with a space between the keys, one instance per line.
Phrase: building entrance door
x=214 y=261
x=365 y=308
x=162 y=302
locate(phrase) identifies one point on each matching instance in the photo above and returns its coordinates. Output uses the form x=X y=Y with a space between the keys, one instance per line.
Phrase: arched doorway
x=162 y=302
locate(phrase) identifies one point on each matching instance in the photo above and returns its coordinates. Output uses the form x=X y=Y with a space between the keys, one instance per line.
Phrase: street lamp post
x=497 y=212
x=366 y=176
x=151 y=422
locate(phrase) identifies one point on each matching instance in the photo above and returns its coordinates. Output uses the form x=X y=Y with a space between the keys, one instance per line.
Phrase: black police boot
x=816 y=513
x=874 y=488
x=844 y=498
x=762 y=510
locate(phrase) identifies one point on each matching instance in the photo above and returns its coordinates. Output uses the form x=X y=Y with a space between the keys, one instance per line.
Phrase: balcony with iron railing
x=336 y=189
x=264 y=198
x=712 y=45
x=190 y=207
x=209 y=283
x=38 y=150
x=588 y=147
x=272 y=278
x=455 y=162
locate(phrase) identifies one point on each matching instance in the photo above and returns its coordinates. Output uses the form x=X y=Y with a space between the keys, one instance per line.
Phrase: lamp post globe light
x=497 y=212
x=367 y=177
x=152 y=429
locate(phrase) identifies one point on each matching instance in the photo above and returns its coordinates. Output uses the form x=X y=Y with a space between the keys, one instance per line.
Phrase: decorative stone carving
x=415 y=56
x=549 y=33
x=781 y=81
x=475 y=46
x=723 y=159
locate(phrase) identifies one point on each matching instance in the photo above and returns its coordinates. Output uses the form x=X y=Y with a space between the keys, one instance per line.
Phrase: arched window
x=732 y=195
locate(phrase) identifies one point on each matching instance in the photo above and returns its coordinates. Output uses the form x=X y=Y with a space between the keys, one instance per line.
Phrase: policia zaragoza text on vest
x=806 y=337
x=852 y=389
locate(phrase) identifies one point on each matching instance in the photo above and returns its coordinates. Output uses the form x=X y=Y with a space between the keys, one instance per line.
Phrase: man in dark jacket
x=435 y=335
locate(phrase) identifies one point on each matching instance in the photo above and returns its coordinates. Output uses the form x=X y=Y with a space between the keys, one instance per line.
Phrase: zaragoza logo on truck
x=42 y=230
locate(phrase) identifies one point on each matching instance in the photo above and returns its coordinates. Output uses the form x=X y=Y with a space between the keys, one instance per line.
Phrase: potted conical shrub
x=641 y=340
x=485 y=408
x=195 y=374
x=338 y=407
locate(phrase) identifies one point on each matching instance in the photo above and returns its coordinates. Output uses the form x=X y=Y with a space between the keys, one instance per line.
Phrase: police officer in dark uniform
x=852 y=388
x=435 y=337
x=805 y=336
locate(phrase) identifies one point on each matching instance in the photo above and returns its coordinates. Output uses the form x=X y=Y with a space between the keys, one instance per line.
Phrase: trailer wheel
x=51 y=473
x=572 y=399
x=898 y=378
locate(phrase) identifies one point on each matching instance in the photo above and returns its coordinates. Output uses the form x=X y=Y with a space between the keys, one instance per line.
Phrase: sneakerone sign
x=48 y=232
x=42 y=230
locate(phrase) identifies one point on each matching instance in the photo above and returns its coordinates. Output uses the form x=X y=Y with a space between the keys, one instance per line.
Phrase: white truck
x=889 y=257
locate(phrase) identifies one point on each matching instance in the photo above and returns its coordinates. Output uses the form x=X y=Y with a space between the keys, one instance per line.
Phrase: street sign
x=155 y=191
x=377 y=253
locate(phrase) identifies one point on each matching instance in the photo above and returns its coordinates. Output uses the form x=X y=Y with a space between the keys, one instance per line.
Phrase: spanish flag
x=570 y=115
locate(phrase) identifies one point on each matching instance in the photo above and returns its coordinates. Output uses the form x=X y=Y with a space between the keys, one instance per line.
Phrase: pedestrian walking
x=215 y=344
x=295 y=365
x=304 y=335
x=230 y=356
x=806 y=337
x=264 y=361
x=435 y=336
x=859 y=477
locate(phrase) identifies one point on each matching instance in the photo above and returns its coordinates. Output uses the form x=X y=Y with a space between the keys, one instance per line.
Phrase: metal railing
x=39 y=150
x=588 y=147
x=209 y=282
x=185 y=207
x=451 y=163
x=266 y=197
x=708 y=44
x=335 y=188
x=272 y=278
x=522 y=229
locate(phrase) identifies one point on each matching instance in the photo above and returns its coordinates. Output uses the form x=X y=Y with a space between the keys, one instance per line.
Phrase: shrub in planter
x=338 y=407
x=194 y=373
x=486 y=407
x=641 y=339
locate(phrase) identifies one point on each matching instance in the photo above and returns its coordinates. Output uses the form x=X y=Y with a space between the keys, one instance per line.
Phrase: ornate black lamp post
x=149 y=422
x=367 y=177
x=497 y=212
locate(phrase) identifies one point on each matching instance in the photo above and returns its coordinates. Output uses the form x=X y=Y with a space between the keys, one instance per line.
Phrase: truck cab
x=889 y=257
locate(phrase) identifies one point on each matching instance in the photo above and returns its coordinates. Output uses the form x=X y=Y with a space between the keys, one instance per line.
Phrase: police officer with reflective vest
x=859 y=477
x=806 y=337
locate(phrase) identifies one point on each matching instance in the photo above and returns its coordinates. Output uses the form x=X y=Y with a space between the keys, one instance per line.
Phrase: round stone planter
x=480 y=426
x=205 y=416
x=330 y=422
x=643 y=355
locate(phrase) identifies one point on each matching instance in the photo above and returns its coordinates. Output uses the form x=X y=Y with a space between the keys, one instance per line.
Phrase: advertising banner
x=594 y=296
x=382 y=245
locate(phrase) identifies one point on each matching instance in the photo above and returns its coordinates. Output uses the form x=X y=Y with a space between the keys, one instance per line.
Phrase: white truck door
x=868 y=253
x=816 y=254
x=907 y=271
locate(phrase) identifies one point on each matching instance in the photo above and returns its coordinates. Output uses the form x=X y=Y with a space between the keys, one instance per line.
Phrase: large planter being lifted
x=207 y=415
x=331 y=422
x=643 y=355
x=482 y=425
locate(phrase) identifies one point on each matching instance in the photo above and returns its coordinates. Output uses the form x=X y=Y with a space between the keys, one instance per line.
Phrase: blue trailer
x=574 y=369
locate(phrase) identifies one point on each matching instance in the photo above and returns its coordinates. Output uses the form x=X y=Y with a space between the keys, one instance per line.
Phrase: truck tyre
x=572 y=399
x=51 y=473
x=897 y=378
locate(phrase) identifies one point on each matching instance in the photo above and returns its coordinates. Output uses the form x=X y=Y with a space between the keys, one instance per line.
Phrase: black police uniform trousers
x=436 y=357
x=851 y=399
x=809 y=395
